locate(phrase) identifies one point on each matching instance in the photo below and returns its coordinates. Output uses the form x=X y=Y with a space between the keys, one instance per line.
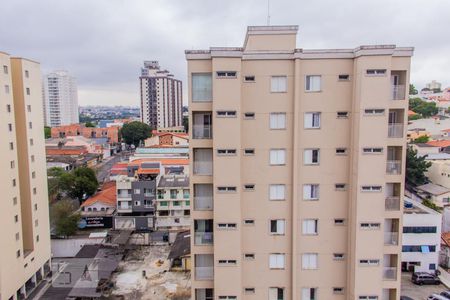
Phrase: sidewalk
x=444 y=277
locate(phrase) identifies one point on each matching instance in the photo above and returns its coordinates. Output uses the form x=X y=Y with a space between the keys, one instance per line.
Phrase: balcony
x=204 y=273
x=203 y=203
x=202 y=132
x=398 y=92
x=203 y=161
x=391 y=238
x=395 y=130
x=203 y=238
x=202 y=125
x=392 y=203
x=394 y=167
x=389 y=273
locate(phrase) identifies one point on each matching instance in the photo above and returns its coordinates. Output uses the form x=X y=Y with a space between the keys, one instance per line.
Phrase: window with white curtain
x=277 y=156
x=201 y=87
x=277 y=120
x=203 y=161
x=203 y=196
x=309 y=261
x=312 y=83
x=309 y=293
x=276 y=261
x=312 y=120
x=311 y=156
x=277 y=227
x=278 y=84
x=276 y=293
x=309 y=226
x=277 y=192
x=310 y=191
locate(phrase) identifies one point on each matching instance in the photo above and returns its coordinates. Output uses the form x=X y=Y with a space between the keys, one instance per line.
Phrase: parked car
x=405 y=298
x=446 y=294
x=424 y=278
x=436 y=297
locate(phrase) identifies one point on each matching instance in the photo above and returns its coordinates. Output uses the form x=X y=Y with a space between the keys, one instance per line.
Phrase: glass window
x=278 y=84
x=313 y=83
x=277 y=120
x=201 y=87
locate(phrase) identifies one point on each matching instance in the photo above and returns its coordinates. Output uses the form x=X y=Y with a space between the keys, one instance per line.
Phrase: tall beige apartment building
x=24 y=220
x=298 y=159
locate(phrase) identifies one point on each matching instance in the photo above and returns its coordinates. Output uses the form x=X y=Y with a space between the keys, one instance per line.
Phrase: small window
x=340 y=187
x=369 y=225
x=277 y=227
x=6 y=89
x=227 y=297
x=344 y=77
x=276 y=261
x=339 y=222
x=371 y=188
x=27 y=74
x=249 y=116
x=226 y=74
x=13 y=164
x=226 y=189
x=341 y=151
x=226 y=152
x=313 y=83
x=32 y=158
x=277 y=192
x=249 y=151
x=309 y=261
x=278 y=84
x=369 y=262
x=8 y=108
x=29 y=108
x=226 y=113
x=277 y=120
x=310 y=192
x=249 y=222
x=309 y=293
x=368 y=297
x=17 y=236
x=276 y=293
x=31 y=142
x=249 y=187
x=28 y=91
x=338 y=290
x=227 y=262
x=312 y=120
x=375 y=150
x=376 y=72
x=342 y=114
x=11 y=146
x=338 y=256
x=5 y=69
x=374 y=111
x=249 y=78
x=34 y=191
x=311 y=156
x=249 y=256
x=30 y=125
x=33 y=174
x=15 y=201
x=310 y=226
x=18 y=253
x=10 y=128
x=277 y=157
x=226 y=225
x=37 y=238
x=14 y=182
x=16 y=218
x=35 y=207
x=249 y=290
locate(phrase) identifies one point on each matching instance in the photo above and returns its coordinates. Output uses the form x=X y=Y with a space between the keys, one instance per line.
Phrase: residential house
x=167 y=139
x=111 y=133
x=439 y=171
x=424 y=149
x=438 y=194
x=180 y=252
x=415 y=133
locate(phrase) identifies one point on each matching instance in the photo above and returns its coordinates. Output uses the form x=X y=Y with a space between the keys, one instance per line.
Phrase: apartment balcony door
x=395 y=79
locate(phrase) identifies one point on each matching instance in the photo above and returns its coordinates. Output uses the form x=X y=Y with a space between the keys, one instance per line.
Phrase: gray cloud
x=103 y=42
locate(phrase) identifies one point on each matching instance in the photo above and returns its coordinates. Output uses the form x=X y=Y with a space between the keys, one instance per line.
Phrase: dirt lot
x=418 y=292
x=159 y=283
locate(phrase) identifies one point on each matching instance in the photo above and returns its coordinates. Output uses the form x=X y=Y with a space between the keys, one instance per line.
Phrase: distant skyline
x=103 y=43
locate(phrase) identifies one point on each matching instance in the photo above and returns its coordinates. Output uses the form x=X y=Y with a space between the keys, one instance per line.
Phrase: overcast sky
x=104 y=42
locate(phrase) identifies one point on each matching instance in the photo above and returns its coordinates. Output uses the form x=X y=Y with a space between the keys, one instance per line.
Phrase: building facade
x=161 y=97
x=60 y=99
x=298 y=159
x=421 y=238
x=25 y=258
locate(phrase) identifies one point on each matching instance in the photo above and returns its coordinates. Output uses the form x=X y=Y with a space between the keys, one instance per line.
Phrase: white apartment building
x=161 y=97
x=421 y=237
x=297 y=169
x=60 y=99
x=24 y=218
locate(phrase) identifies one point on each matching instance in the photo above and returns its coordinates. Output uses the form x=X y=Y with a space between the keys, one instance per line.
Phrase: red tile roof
x=439 y=143
x=106 y=196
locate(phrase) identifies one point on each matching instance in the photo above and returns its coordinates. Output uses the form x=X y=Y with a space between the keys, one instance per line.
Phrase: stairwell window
x=249 y=151
x=277 y=120
x=374 y=111
x=249 y=222
x=338 y=256
x=310 y=192
x=249 y=256
x=277 y=227
x=343 y=77
x=278 y=84
x=340 y=187
x=226 y=113
x=277 y=157
x=249 y=187
x=277 y=192
x=249 y=78
x=312 y=120
x=374 y=150
x=342 y=114
x=276 y=261
x=226 y=74
x=341 y=151
x=5 y=69
x=313 y=83
x=339 y=222
x=371 y=188
x=311 y=156
x=226 y=189
x=249 y=116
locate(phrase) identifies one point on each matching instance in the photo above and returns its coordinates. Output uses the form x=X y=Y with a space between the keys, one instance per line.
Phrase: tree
x=416 y=166
x=422 y=139
x=64 y=218
x=47 y=132
x=54 y=183
x=135 y=132
x=80 y=183
x=425 y=109
x=186 y=124
x=412 y=89
x=89 y=124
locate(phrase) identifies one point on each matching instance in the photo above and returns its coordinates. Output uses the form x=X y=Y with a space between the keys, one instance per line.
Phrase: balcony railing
x=202 y=132
x=394 y=167
x=204 y=273
x=149 y=194
x=391 y=238
x=392 y=203
x=203 y=203
x=123 y=195
x=204 y=238
x=395 y=130
x=398 y=92
x=203 y=167
x=389 y=273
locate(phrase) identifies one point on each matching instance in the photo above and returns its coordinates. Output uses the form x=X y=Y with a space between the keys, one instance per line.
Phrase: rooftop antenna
x=268 y=12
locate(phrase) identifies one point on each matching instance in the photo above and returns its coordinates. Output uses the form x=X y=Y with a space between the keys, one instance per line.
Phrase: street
x=418 y=292
x=102 y=169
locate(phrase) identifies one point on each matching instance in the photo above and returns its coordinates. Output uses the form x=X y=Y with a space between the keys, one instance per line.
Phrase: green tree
x=54 y=183
x=135 y=132
x=64 y=218
x=425 y=109
x=415 y=117
x=416 y=166
x=412 y=89
x=80 y=183
x=47 y=132
x=89 y=124
x=422 y=139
